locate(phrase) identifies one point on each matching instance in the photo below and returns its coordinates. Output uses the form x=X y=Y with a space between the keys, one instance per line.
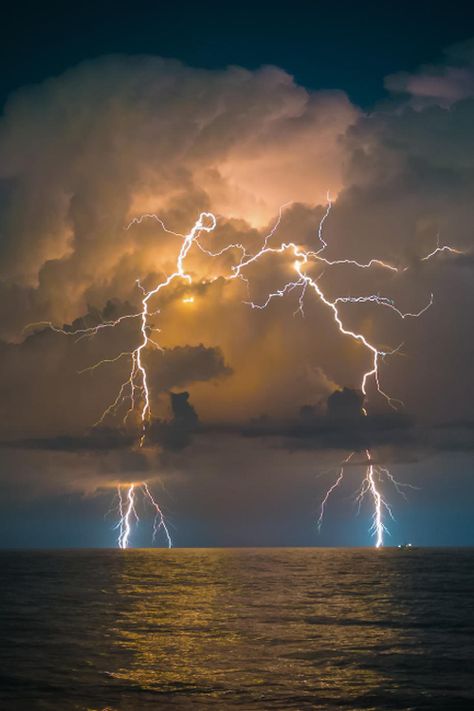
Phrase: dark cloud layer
x=172 y=434
x=49 y=393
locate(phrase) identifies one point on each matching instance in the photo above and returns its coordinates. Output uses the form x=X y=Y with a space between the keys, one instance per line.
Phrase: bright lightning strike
x=135 y=389
x=303 y=282
x=128 y=516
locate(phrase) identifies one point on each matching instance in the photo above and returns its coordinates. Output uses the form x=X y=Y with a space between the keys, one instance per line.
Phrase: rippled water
x=255 y=629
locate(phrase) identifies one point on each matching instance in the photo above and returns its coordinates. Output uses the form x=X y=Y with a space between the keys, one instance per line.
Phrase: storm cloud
x=84 y=153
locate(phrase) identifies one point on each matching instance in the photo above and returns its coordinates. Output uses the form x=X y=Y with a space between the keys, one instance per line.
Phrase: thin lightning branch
x=240 y=247
x=383 y=301
x=331 y=489
x=300 y=309
x=106 y=361
x=439 y=250
x=152 y=216
x=81 y=332
x=277 y=223
x=159 y=521
x=127 y=510
x=321 y=224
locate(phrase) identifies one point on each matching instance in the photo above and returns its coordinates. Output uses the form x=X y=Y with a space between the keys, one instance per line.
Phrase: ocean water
x=237 y=628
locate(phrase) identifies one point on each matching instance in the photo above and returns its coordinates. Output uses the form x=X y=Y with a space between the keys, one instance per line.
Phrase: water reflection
x=280 y=629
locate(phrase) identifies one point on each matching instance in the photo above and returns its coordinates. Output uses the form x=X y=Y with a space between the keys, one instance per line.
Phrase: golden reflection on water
x=287 y=629
x=295 y=625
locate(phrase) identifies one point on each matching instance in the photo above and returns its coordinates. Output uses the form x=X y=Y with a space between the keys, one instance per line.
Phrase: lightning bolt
x=302 y=258
x=328 y=493
x=127 y=511
x=135 y=389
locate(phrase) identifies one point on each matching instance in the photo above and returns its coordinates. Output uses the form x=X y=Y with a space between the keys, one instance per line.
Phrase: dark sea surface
x=237 y=628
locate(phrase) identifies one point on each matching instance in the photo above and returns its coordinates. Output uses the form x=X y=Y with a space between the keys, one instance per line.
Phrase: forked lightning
x=135 y=390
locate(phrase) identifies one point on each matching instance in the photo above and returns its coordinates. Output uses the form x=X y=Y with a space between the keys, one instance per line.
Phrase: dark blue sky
x=344 y=45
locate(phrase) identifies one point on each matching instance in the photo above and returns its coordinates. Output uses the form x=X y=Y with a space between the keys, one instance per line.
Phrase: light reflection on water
x=255 y=629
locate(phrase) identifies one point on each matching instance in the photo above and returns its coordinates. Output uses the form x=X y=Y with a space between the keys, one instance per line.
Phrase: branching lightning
x=135 y=391
x=302 y=258
x=127 y=510
x=339 y=479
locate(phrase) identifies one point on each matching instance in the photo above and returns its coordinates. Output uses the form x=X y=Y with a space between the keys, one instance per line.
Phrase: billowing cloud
x=82 y=154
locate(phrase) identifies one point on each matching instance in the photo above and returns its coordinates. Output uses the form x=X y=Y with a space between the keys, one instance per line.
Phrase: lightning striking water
x=302 y=259
x=135 y=389
x=127 y=510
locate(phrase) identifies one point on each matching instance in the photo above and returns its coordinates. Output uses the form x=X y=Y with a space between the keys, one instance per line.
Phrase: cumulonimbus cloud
x=84 y=153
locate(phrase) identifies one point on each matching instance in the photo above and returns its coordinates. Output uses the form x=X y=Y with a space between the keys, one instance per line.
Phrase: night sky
x=113 y=111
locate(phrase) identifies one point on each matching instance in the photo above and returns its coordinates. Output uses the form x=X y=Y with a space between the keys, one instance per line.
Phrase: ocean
x=237 y=628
